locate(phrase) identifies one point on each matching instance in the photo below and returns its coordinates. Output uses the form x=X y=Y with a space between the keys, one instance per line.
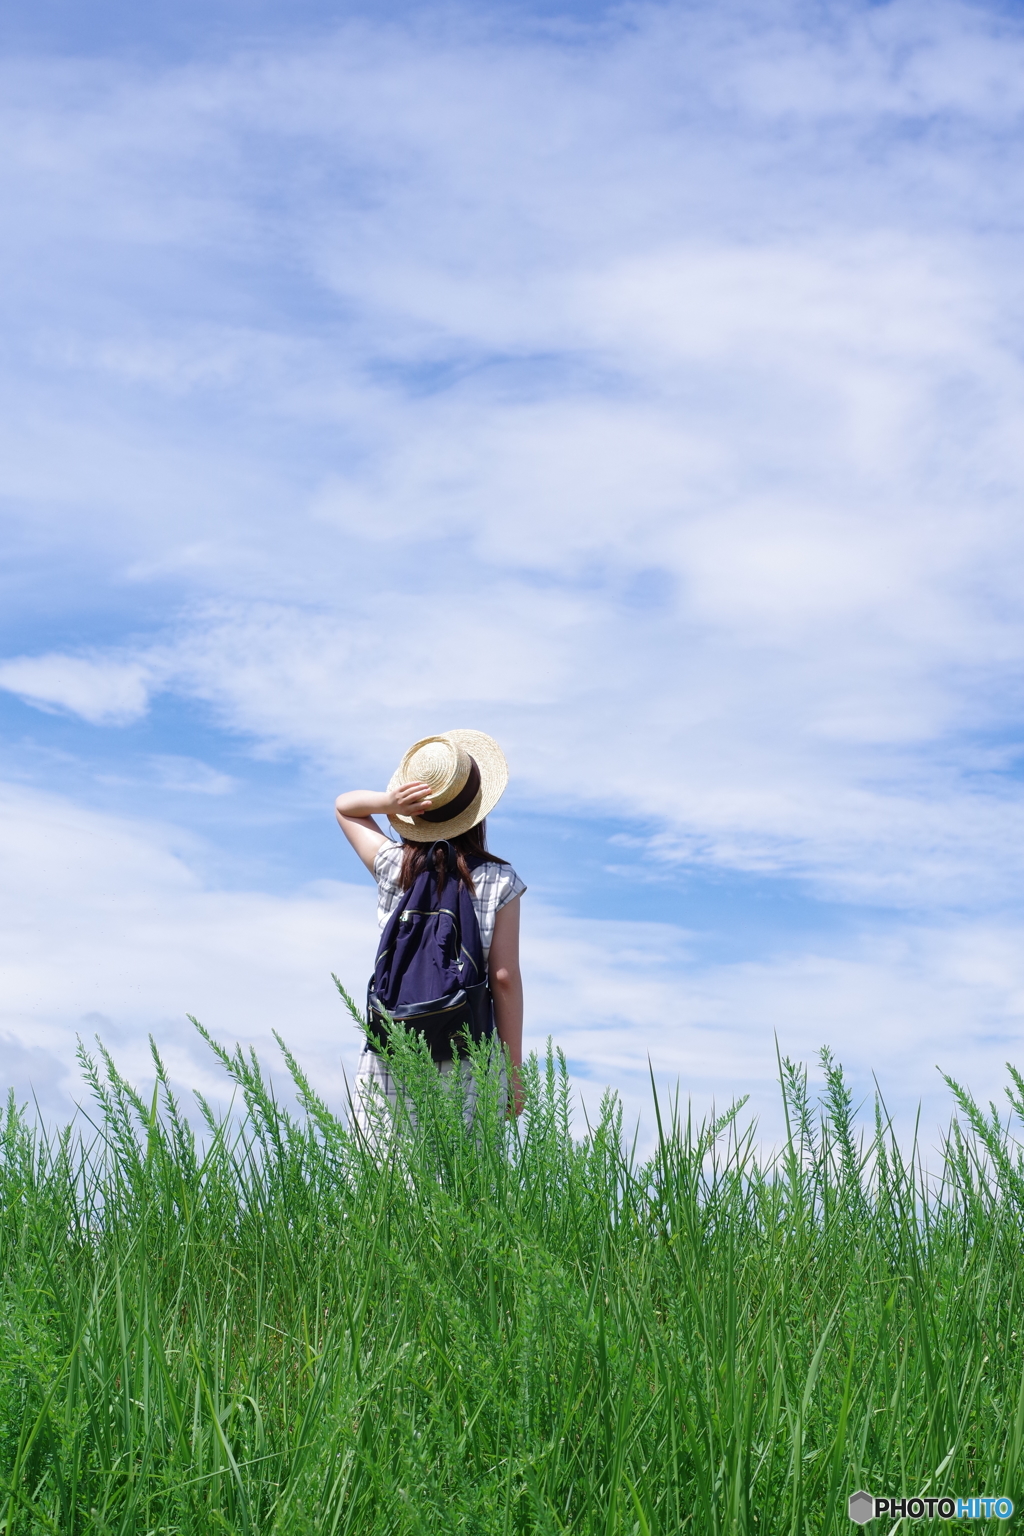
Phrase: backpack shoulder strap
x=421 y=894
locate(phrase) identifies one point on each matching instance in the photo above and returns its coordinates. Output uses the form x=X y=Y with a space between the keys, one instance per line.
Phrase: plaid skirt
x=376 y=1087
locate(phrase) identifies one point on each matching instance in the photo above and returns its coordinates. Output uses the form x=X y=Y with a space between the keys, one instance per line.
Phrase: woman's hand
x=409 y=799
x=517 y=1100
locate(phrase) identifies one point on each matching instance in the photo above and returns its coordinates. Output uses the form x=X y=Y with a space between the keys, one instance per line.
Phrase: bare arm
x=356 y=809
x=507 y=988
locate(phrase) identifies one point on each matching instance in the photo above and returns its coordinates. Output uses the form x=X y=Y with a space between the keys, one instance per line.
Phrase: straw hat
x=466 y=770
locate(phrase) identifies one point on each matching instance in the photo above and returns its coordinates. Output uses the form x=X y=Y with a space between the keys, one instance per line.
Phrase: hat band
x=463 y=800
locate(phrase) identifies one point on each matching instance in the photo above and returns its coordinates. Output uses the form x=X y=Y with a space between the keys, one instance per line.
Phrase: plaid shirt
x=376 y=1096
x=496 y=885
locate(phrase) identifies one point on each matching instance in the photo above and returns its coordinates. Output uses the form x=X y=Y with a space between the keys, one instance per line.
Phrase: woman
x=443 y=789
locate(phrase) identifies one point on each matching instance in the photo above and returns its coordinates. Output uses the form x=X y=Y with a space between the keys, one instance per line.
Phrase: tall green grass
x=277 y=1327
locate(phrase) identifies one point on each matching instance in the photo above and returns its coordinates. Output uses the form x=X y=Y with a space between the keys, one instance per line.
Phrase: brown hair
x=468 y=845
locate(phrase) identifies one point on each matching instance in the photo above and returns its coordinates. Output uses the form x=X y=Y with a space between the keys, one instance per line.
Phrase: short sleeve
x=387 y=863
x=509 y=887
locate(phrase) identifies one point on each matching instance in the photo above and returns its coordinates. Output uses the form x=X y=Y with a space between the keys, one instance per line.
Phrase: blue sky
x=642 y=384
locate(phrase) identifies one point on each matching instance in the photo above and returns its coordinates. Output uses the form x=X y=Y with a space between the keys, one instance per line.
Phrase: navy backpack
x=429 y=973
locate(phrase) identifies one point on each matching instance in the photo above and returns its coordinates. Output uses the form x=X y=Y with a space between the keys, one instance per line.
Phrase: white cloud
x=101 y=690
x=105 y=927
x=897 y=1004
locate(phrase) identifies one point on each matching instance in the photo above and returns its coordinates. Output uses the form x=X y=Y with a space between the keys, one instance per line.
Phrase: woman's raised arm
x=356 y=809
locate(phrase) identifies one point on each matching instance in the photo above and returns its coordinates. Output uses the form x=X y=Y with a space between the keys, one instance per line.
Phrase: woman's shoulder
x=500 y=881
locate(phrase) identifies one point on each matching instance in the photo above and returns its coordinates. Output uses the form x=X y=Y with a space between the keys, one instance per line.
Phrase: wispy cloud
x=101 y=690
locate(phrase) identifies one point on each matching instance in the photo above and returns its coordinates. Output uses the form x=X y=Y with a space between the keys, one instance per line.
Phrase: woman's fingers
x=414 y=794
x=413 y=797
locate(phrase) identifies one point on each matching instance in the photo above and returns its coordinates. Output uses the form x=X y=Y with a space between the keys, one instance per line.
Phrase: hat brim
x=490 y=760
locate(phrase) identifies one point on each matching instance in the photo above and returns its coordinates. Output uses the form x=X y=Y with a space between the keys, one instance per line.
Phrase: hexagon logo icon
x=861 y=1507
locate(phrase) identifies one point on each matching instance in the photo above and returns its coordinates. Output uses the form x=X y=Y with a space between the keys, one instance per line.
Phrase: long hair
x=468 y=845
